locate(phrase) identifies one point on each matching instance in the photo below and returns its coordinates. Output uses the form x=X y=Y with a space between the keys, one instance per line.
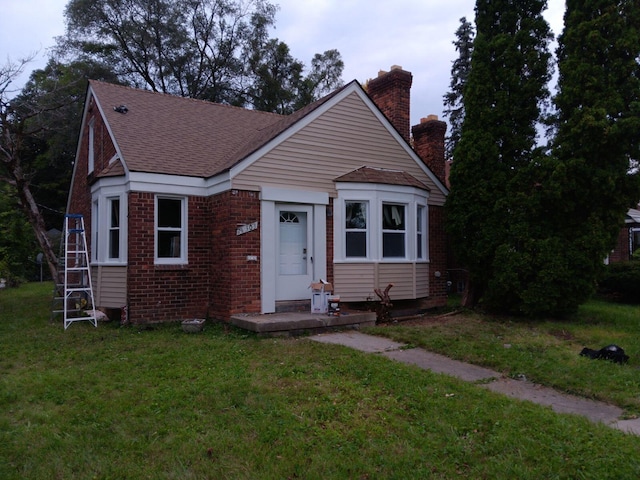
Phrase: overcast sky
x=371 y=35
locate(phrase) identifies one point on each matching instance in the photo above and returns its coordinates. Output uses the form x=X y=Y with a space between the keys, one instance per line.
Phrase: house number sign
x=249 y=227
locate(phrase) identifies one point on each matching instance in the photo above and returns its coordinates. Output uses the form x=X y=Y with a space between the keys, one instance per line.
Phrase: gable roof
x=161 y=133
x=633 y=216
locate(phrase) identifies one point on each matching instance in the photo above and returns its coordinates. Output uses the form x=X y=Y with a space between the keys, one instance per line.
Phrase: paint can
x=334 y=306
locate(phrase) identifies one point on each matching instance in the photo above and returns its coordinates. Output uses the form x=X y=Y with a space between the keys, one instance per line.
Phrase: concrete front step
x=298 y=323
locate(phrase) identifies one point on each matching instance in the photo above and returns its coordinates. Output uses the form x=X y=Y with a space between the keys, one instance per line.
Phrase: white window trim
x=404 y=232
x=424 y=233
x=109 y=227
x=182 y=259
x=376 y=195
x=91 y=151
x=100 y=225
x=366 y=230
x=95 y=229
x=632 y=232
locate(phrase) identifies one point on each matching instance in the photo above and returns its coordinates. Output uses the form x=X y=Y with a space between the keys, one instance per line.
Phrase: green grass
x=545 y=351
x=126 y=403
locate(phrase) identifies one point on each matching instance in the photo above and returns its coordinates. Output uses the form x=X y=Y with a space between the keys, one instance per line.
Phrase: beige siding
x=355 y=282
x=346 y=137
x=401 y=275
x=422 y=280
x=110 y=286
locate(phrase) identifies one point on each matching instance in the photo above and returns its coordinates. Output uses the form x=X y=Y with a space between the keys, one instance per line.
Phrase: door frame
x=282 y=282
x=269 y=221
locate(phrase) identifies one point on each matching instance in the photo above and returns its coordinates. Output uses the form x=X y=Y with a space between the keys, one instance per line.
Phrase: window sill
x=170 y=266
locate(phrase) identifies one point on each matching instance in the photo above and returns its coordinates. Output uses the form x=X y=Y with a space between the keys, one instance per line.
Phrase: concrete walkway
x=489 y=379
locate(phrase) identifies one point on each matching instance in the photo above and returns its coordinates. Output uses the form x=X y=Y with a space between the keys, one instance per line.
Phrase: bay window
x=355 y=229
x=393 y=231
x=114 y=228
x=380 y=223
x=108 y=229
x=420 y=233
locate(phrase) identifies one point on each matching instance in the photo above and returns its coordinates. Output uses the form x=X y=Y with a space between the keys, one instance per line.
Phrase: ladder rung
x=73 y=250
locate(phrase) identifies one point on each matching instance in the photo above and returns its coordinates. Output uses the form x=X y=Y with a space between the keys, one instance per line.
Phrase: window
x=393 y=231
x=355 y=229
x=91 y=159
x=381 y=223
x=420 y=232
x=170 y=230
x=635 y=242
x=109 y=227
x=95 y=227
x=114 y=228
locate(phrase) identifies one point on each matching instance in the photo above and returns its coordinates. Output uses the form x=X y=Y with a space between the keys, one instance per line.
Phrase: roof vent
x=121 y=109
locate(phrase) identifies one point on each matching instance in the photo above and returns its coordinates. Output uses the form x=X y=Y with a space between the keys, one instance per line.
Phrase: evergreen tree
x=589 y=186
x=454 y=99
x=491 y=177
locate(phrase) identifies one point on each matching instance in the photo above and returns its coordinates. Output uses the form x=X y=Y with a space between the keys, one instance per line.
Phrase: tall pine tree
x=491 y=175
x=454 y=98
x=590 y=186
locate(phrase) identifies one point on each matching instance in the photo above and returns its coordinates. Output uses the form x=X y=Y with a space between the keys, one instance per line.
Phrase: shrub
x=621 y=281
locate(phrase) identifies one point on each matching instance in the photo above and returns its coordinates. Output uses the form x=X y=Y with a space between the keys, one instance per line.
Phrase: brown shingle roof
x=167 y=134
x=383 y=176
x=114 y=169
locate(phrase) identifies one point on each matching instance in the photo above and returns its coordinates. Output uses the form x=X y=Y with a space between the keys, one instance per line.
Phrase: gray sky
x=371 y=35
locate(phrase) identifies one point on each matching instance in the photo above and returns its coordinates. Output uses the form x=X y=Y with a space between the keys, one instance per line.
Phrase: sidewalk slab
x=485 y=378
x=558 y=401
x=440 y=364
x=358 y=341
x=630 y=426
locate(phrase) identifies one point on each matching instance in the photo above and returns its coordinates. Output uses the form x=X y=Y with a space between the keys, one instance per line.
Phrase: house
x=197 y=209
x=628 y=239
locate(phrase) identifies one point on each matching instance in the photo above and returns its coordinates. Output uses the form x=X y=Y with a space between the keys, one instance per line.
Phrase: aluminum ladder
x=74 y=289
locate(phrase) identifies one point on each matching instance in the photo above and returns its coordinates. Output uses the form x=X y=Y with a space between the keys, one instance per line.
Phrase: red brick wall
x=391 y=92
x=621 y=252
x=438 y=258
x=104 y=150
x=330 y=208
x=160 y=293
x=235 y=281
x=428 y=142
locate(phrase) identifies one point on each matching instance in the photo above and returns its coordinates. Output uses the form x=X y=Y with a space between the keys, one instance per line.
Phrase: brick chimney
x=391 y=92
x=428 y=142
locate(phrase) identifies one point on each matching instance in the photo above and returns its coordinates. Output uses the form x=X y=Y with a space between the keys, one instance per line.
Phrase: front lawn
x=129 y=403
x=544 y=351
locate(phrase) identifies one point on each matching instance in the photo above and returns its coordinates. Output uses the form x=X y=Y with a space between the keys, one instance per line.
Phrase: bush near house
x=621 y=282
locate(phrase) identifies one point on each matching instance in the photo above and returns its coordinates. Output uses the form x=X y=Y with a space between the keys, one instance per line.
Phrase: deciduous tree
x=39 y=129
x=215 y=50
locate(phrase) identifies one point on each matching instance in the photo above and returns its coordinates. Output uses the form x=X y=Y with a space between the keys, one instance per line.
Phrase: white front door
x=294 y=251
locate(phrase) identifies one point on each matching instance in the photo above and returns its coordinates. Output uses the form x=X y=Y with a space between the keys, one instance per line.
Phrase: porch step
x=287 y=306
x=301 y=323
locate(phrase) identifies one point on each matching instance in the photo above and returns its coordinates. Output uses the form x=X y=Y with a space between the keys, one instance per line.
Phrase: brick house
x=198 y=209
x=628 y=238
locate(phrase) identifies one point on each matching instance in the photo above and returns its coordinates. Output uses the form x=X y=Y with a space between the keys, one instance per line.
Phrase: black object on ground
x=613 y=353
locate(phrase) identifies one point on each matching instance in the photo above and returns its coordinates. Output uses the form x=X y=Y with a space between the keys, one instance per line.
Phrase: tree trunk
x=471 y=295
x=34 y=216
